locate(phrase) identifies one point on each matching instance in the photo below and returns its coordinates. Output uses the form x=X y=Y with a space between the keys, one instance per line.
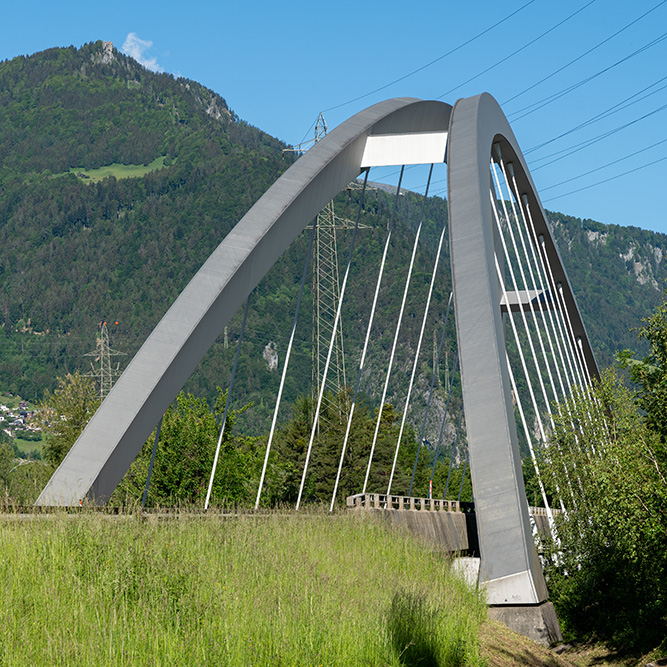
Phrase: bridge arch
x=408 y=129
x=479 y=134
x=469 y=137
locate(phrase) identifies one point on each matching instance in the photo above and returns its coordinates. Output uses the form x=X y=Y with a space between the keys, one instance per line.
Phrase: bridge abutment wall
x=443 y=531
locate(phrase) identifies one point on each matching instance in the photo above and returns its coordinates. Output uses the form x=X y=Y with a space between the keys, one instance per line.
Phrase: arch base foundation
x=537 y=622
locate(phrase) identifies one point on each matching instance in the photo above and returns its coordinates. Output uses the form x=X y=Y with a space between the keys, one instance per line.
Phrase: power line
x=583 y=55
x=619 y=106
x=522 y=48
x=585 y=144
x=531 y=108
x=604 y=166
x=606 y=180
x=432 y=62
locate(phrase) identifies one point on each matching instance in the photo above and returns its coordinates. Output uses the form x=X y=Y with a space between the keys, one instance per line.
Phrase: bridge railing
x=383 y=501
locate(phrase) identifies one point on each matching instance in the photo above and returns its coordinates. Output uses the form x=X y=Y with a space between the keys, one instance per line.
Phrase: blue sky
x=279 y=64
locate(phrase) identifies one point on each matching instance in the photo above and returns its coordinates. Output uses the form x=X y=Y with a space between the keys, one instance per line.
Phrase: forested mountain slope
x=75 y=251
x=619 y=275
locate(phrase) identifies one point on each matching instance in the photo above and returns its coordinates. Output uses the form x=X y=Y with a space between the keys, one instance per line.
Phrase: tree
x=608 y=571
x=184 y=458
x=650 y=373
x=291 y=444
x=65 y=413
x=21 y=480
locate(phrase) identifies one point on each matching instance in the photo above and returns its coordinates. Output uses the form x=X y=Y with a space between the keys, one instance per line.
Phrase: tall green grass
x=281 y=589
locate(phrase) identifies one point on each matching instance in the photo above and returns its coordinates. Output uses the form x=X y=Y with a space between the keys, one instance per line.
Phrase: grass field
x=118 y=170
x=286 y=589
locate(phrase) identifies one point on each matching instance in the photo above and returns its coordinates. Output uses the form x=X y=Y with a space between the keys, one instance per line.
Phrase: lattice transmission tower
x=326 y=290
x=101 y=366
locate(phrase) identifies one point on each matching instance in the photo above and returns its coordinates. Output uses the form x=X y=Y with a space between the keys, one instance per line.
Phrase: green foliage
x=617 y=274
x=291 y=444
x=21 y=479
x=184 y=458
x=65 y=413
x=650 y=373
x=188 y=439
x=276 y=589
x=608 y=574
x=73 y=252
x=118 y=170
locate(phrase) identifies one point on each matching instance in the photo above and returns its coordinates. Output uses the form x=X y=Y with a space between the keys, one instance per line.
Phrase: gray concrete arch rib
x=510 y=569
x=113 y=437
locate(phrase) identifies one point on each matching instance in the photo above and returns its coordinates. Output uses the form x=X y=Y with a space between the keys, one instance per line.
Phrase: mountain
x=116 y=183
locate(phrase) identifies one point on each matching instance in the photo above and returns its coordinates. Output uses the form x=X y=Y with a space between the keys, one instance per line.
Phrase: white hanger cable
x=286 y=363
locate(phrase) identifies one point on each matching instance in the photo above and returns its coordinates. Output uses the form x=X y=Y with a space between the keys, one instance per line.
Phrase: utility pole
x=101 y=367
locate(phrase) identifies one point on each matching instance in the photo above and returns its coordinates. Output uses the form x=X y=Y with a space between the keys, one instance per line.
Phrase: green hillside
x=116 y=183
x=75 y=250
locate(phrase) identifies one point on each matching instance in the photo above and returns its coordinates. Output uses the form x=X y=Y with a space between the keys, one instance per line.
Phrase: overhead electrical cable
x=604 y=166
x=609 y=111
x=583 y=55
x=585 y=144
x=606 y=180
x=536 y=106
x=522 y=48
x=432 y=62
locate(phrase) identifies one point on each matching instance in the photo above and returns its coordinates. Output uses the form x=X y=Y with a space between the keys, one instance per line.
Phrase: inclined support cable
x=520 y=263
x=520 y=349
x=454 y=448
x=362 y=361
x=515 y=286
x=533 y=457
x=522 y=272
x=542 y=290
x=510 y=168
x=430 y=392
x=444 y=419
x=548 y=274
x=286 y=363
x=557 y=300
x=576 y=340
x=463 y=476
x=144 y=498
x=580 y=348
x=227 y=402
x=337 y=318
x=423 y=327
x=393 y=349
x=567 y=341
x=524 y=367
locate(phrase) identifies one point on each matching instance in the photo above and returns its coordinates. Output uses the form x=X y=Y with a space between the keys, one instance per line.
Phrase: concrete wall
x=445 y=531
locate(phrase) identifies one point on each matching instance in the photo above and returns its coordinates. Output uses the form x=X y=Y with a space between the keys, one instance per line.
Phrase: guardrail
x=383 y=501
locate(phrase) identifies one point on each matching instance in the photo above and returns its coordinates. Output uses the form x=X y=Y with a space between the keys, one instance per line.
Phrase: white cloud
x=136 y=48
